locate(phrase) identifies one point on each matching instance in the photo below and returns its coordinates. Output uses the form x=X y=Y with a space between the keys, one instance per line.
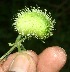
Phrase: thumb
x=23 y=62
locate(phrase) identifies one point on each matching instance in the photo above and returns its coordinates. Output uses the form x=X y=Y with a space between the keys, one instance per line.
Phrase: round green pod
x=34 y=22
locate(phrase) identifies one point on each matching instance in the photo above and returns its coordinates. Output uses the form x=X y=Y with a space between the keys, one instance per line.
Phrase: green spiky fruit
x=34 y=22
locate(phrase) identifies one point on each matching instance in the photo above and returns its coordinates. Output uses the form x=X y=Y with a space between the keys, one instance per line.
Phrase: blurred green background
x=60 y=11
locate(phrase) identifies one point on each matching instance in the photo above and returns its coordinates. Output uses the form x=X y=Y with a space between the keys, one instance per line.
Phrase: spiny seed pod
x=34 y=22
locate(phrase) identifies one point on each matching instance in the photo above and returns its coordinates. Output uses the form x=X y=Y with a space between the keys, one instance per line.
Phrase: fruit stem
x=6 y=54
x=16 y=44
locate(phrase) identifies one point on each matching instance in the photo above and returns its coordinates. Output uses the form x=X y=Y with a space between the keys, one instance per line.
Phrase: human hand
x=52 y=59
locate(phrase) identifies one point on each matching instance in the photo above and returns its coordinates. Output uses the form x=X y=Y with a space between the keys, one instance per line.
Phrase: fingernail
x=19 y=64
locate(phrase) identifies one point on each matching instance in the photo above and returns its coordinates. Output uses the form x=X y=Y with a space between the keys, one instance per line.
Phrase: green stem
x=6 y=54
x=16 y=44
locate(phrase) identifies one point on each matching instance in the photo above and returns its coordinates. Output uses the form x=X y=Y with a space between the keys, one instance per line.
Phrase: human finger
x=52 y=59
x=21 y=62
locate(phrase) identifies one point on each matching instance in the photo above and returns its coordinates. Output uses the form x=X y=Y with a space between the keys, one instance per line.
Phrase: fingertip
x=1 y=70
x=21 y=62
x=52 y=59
x=32 y=54
x=24 y=62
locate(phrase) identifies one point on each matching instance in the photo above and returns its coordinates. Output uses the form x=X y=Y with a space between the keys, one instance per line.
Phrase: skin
x=52 y=59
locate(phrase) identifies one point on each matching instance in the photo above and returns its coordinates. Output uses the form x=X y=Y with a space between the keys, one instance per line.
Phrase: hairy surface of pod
x=34 y=22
